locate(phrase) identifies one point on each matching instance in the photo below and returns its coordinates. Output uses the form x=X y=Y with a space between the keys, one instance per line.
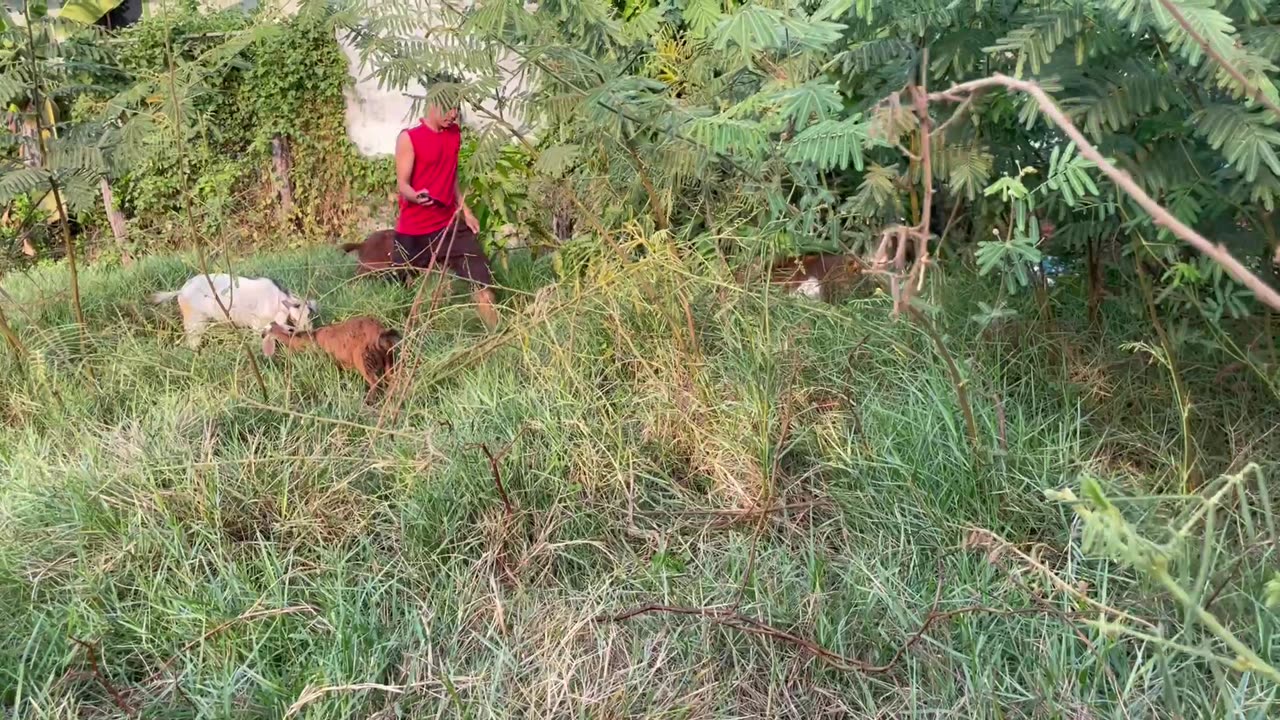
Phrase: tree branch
x=496 y=470
x=1253 y=91
x=752 y=626
x=91 y=653
x=1163 y=218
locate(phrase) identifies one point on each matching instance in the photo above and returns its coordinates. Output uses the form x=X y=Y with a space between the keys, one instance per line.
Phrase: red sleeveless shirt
x=435 y=169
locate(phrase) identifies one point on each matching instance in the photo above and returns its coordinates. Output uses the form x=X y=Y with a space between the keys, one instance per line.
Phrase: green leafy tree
x=1190 y=126
x=176 y=125
x=705 y=122
x=761 y=130
x=47 y=60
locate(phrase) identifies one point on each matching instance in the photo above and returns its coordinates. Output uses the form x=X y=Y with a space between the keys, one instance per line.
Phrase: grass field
x=173 y=544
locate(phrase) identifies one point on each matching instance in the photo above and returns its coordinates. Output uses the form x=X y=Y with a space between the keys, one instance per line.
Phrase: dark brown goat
x=374 y=254
x=361 y=344
x=817 y=274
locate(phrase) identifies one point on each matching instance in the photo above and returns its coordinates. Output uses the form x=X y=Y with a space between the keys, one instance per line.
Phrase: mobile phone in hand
x=424 y=198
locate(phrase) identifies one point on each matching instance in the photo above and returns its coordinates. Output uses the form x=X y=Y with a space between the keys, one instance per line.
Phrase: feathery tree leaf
x=830 y=144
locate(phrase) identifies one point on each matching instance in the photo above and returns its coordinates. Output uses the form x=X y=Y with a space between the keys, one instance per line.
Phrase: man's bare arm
x=404 y=168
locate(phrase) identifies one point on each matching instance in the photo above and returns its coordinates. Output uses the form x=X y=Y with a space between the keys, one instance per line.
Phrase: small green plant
x=1200 y=284
x=1017 y=254
x=1196 y=538
x=498 y=194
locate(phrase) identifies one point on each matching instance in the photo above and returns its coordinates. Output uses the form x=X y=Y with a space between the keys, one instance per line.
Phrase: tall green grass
x=172 y=545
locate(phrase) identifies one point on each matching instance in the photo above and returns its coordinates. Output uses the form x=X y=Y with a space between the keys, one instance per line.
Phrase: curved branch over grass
x=1217 y=252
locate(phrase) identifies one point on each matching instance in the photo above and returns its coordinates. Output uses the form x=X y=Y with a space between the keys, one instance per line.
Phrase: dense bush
x=184 y=105
x=256 y=78
x=789 y=127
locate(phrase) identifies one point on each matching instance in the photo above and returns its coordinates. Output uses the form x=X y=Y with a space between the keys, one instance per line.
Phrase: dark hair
x=447 y=78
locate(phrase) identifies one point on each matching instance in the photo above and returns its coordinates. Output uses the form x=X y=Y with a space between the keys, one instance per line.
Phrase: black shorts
x=455 y=247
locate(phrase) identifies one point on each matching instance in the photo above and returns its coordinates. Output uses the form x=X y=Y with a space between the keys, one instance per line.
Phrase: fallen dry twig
x=91 y=653
x=730 y=617
x=995 y=545
x=736 y=620
x=246 y=617
x=310 y=694
x=508 y=507
x=495 y=469
x=750 y=512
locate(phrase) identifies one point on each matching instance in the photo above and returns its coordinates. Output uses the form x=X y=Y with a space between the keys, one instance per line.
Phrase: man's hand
x=467 y=216
x=470 y=219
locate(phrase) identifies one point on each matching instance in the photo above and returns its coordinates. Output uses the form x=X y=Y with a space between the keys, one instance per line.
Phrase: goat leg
x=377 y=383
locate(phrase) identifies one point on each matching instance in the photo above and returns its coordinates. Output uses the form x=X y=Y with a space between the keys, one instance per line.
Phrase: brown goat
x=816 y=275
x=361 y=344
x=374 y=254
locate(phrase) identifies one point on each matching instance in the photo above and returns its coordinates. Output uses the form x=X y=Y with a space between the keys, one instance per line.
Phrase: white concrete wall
x=375 y=116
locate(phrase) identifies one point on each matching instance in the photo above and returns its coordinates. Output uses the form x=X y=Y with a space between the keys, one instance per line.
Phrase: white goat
x=250 y=302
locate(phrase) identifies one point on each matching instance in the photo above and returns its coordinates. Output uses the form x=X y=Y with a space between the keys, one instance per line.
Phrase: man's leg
x=486 y=306
x=402 y=269
x=467 y=261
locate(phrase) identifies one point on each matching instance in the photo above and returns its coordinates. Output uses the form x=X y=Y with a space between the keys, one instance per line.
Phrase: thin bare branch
x=246 y=617
x=995 y=545
x=310 y=694
x=752 y=626
x=14 y=342
x=496 y=470
x=957 y=380
x=744 y=513
x=91 y=653
x=1163 y=218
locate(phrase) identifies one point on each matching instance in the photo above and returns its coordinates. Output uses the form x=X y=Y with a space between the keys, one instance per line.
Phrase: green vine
x=296 y=89
x=286 y=79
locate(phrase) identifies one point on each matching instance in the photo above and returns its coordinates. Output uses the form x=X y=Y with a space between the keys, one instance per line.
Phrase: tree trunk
x=119 y=229
x=283 y=164
x=38 y=100
x=70 y=246
x=1095 y=281
x=29 y=154
x=11 y=338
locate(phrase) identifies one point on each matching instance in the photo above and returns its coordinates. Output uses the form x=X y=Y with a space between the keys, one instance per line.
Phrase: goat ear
x=292 y=302
x=268 y=344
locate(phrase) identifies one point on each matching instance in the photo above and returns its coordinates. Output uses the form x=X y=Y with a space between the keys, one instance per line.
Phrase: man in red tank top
x=435 y=227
